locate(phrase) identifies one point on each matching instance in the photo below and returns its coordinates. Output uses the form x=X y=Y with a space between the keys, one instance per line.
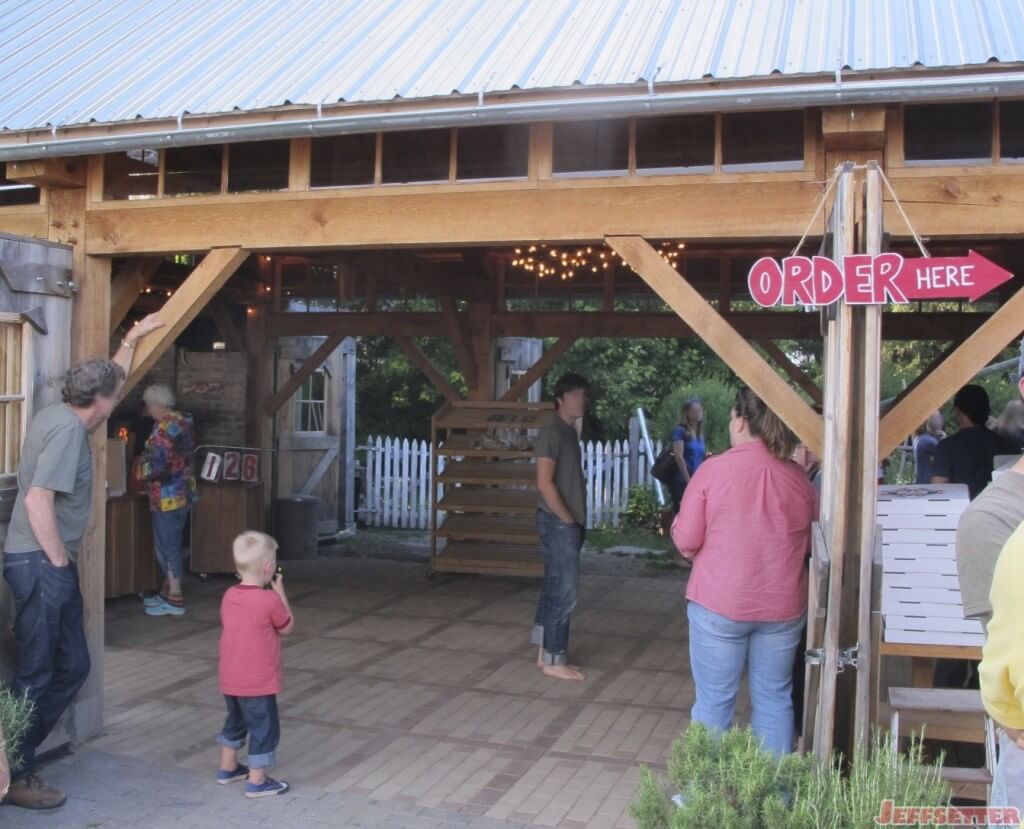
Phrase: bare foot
x=540 y=660
x=563 y=672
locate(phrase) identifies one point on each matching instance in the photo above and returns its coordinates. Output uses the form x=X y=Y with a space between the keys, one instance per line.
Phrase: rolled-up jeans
x=561 y=544
x=168 y=529
x=720 y=649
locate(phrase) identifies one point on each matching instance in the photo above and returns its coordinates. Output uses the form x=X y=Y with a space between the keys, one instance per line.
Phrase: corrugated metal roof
x=65 y=62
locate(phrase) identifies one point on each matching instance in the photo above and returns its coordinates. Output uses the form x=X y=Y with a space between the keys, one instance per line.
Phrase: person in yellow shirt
x=1002 y=672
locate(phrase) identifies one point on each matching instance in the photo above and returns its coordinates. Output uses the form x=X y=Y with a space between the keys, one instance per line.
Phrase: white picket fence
x=397 y=476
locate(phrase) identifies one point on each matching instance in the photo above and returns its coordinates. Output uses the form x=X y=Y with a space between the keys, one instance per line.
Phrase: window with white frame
x=12 y=392
x=311 y=404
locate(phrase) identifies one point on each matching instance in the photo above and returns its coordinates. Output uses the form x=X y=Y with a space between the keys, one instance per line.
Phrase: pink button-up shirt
x=746 y=516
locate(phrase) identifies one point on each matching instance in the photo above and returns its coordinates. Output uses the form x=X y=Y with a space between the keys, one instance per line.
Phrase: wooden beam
x=49 y=172
x=792 y=370
x=769 y=206
x=723 y=339
x=967 y=360
x=130 y=281
x=538 y=369
x=460 y=340
x=481 y=326
x=422 y=362
x=233 y=338
x=753 y=325
x=26 y=220
x=183 y=307
x=294 y=383
x=924 y=375
x=853 y=127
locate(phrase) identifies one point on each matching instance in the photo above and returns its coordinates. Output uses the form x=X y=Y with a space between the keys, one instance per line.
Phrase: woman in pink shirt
x=745 y=522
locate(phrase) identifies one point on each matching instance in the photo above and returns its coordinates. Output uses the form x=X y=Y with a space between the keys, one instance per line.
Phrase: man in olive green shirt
x=561 y=517
x=50 y=516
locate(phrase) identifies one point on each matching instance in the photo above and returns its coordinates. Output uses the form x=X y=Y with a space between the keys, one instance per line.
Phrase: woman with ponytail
x=745 y=523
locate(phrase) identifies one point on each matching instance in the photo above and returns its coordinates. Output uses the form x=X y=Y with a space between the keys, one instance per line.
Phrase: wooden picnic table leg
x=922 y=669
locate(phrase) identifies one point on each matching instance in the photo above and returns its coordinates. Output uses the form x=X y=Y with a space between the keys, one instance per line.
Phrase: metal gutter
x=704 y=99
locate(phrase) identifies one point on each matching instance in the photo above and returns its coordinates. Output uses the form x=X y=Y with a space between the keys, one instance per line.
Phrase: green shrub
x=716 y=394
x=733 y=783
x=642 y=511
x=14 y=716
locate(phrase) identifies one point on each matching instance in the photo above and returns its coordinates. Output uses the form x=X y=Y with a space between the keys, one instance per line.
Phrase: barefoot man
x=561 y=515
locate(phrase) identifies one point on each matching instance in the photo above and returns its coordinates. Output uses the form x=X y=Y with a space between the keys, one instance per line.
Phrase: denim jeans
x=1008 y=780
x=720 y=649
x=49 y=638
x=561 y=544
x=257 y=718
x=168 y=528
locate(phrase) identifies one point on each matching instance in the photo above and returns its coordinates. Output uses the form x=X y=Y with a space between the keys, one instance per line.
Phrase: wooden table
x=130 y=562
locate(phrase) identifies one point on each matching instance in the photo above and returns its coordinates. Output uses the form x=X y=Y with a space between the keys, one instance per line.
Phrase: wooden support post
x=537 y=370
x=129 y=283
x=968 y=359
x=481 y=328
x=793 y=371
x=422 y=362
x=460 y=340
x=226 y=325
x=299 y=159
x=184 y=306
x=723 y=339
x=311 y=364
x=90 y=337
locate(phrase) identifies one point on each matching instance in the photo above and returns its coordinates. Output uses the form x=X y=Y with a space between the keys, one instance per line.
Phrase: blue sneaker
x=152 y=601
x=225 y=777
x=164 y=608
x=268 y=788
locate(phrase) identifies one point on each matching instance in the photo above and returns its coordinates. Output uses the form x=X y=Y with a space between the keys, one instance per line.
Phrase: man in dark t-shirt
x=968 y=456
x=561 y=516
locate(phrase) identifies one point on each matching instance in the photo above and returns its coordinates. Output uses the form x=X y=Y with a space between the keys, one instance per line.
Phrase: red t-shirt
x=250 y=642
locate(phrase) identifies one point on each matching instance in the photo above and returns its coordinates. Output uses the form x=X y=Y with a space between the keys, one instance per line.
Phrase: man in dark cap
x=968 y=456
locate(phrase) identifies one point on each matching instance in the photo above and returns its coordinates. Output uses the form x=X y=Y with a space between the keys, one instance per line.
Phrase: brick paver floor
x=408 y=703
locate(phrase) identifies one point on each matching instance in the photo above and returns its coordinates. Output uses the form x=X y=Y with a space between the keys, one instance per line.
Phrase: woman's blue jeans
x=720 y=650
x=168 y=529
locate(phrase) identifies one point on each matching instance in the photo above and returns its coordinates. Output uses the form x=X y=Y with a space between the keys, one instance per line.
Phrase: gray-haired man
x=49 y=519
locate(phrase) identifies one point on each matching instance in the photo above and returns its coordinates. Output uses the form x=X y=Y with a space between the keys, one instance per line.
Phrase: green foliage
x=732 y=782
x=626 y=373
x=14 y=717
x=642 y=512
x=717 y=395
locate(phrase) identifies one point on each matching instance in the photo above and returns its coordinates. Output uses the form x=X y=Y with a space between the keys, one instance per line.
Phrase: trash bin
x=295 y=526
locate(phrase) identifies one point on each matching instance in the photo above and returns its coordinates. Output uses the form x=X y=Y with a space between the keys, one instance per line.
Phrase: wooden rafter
x=792 y=370
x=538 y=369
x=49 y=172
x=753 y=325
x=129 y=283
x=957 y=369
x=422 y=362
x=183 y=307
x=723 y=339
x=309 y=365
x=460 y=339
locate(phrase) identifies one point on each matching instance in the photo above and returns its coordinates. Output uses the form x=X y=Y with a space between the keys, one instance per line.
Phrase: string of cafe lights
x=565 y=263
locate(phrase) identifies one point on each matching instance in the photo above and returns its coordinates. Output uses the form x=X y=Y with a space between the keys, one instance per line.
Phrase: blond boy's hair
x=252 y=550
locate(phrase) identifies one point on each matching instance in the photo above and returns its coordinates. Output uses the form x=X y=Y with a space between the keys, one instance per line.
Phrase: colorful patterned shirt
x=167 y=463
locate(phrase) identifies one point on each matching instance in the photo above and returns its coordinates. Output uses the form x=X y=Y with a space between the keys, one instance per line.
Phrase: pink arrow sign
x=950 y=277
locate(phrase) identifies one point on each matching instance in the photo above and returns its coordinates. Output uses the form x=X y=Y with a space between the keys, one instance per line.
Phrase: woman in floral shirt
x=166 y=467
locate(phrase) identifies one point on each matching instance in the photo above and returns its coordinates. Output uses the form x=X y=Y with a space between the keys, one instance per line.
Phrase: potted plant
x=14 y=718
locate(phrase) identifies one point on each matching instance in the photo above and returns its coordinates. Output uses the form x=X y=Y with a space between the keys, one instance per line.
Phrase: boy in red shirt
x=253 y=620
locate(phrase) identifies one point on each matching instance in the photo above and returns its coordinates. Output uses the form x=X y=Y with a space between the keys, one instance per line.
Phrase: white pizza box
x=934 y=537
x=893 y=563
x=933 y=623
x=903 y=607
x=940 y=637
x=903 y=549
x=919 y=521
x=916 y=581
